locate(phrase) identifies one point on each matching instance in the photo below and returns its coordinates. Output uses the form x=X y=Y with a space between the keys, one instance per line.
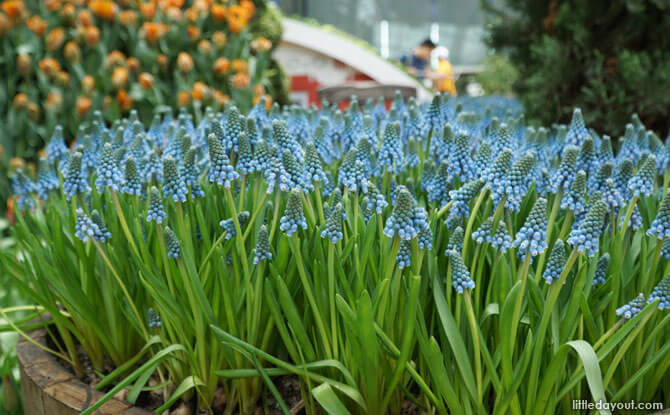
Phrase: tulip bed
x=62 y=59
x=436 y=258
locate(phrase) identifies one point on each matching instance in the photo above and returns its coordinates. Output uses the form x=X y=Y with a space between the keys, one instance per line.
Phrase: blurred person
x=443 y=75
x=418 y=62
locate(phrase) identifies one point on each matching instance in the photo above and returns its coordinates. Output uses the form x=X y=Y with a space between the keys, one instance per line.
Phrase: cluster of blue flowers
x=454 y=149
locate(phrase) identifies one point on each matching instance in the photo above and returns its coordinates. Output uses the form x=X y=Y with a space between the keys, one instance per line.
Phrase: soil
x=288 y=387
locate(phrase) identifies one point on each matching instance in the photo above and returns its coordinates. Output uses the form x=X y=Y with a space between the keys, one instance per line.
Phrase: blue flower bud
x=563 y=177
x=460 y=275
x=406 y=220
x=85 y=228
x=404 y=257
x=262 y=251
x=155 y=212
x=660 y=227
x=333 y=227
x=246 y=163
x=131 y=180
x=556 y=263
x=172 y=243
x=174 y=185
x=75 y=180
x=500 y=240
x=643 y=182
x=293 y=215
x=631 y=309
x=600 y=275
x=154 y=319
x=102 y=234
x=532 y=237
x=584 y=236
x=220 y=170
x=108 y=174
x=455 y=242
x=661 y=291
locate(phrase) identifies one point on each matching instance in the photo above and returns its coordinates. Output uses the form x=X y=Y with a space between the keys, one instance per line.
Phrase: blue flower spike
x=556 y=263
x=262 y=250
x=631 y=309
x=460 y=275
x=294 y=217
x=532 y=237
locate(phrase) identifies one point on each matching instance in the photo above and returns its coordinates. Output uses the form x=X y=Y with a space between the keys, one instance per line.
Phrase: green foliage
x=611 y=58
x=498 y=76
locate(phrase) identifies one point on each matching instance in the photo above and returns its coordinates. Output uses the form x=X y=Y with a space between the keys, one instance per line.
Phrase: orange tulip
x=23 y=63
x=200 y=92
x=221 y=66
x=148 y=10
x=33 y=111
x=133 y=64
x=205 y=46
x=63 y=78
x=183 y=98
x=49 y=66
x=37 y=25
x=124 y=100
x=193 y=33
x=54 y=101
x=52 y=5
x=88 y=84
x=219 y=39
x=82 y=105
x=241 y=80
x=21 y=100
x=119 y=77
x=261 y=44
x=115 y=58
x=6 y=25
x=69 y=12
x=248 y=7
x=13 y=8
x=55 y=39
x=128 y=18
x=220 y=98
x=218 y=11
x=153 y=32
x=72 y=52
x=184 y=62
x=162 y=61
x=239 y=65
x=105 y=9
x=92 y=36
x=85 y=18
x=146 y=80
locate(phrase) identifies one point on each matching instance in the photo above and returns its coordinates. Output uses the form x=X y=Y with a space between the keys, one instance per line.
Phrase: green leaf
x=327 y=398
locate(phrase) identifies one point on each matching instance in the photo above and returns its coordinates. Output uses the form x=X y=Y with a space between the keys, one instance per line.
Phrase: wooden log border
x=48 y=388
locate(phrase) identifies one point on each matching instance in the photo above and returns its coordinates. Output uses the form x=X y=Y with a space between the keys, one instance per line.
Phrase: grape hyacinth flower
x=532 y=237
x=500 y=240
x=661 y=292
x=172 y=243
x=376 y=201
x=23 y=187
x=586 y=160
x=75 y=181
x=390 y=153
x=438 y=190
x=234 y=128
x=174 y=185
x=108 y=174
x=220 y=170
x=482 y=159
x=155 y=213
x=660 y=227
x=293 y=215
x=352 y=173
x=189 y=173
x=154 y=319
x=228 y=225
x=404 y=257
x=285 y=141
x=153 y=168
x=246 y=163
x=622 y=176
x=460 y=275
x=131 y=180
x=631 y=309
x=643 y=182
x=517 y=185
x=577 y=131
x=665 y=248
x=102 y=234
x=262 y=249
x=556 y=263
x=403 y=221
x=425 y=238
x=47 y=179
x=584 y=237
x=495 y=177
x=573 y=199
x=313 y=166
x=611 y=195
x=565 y=174
x=85 y=228
x=600 y=275
x=333 y=227
x=461 y=198
x=460 y=163
x=456 y=239
x=56 y=149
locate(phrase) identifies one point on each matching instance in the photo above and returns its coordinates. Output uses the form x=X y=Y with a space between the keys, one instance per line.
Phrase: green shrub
x=611 y=58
